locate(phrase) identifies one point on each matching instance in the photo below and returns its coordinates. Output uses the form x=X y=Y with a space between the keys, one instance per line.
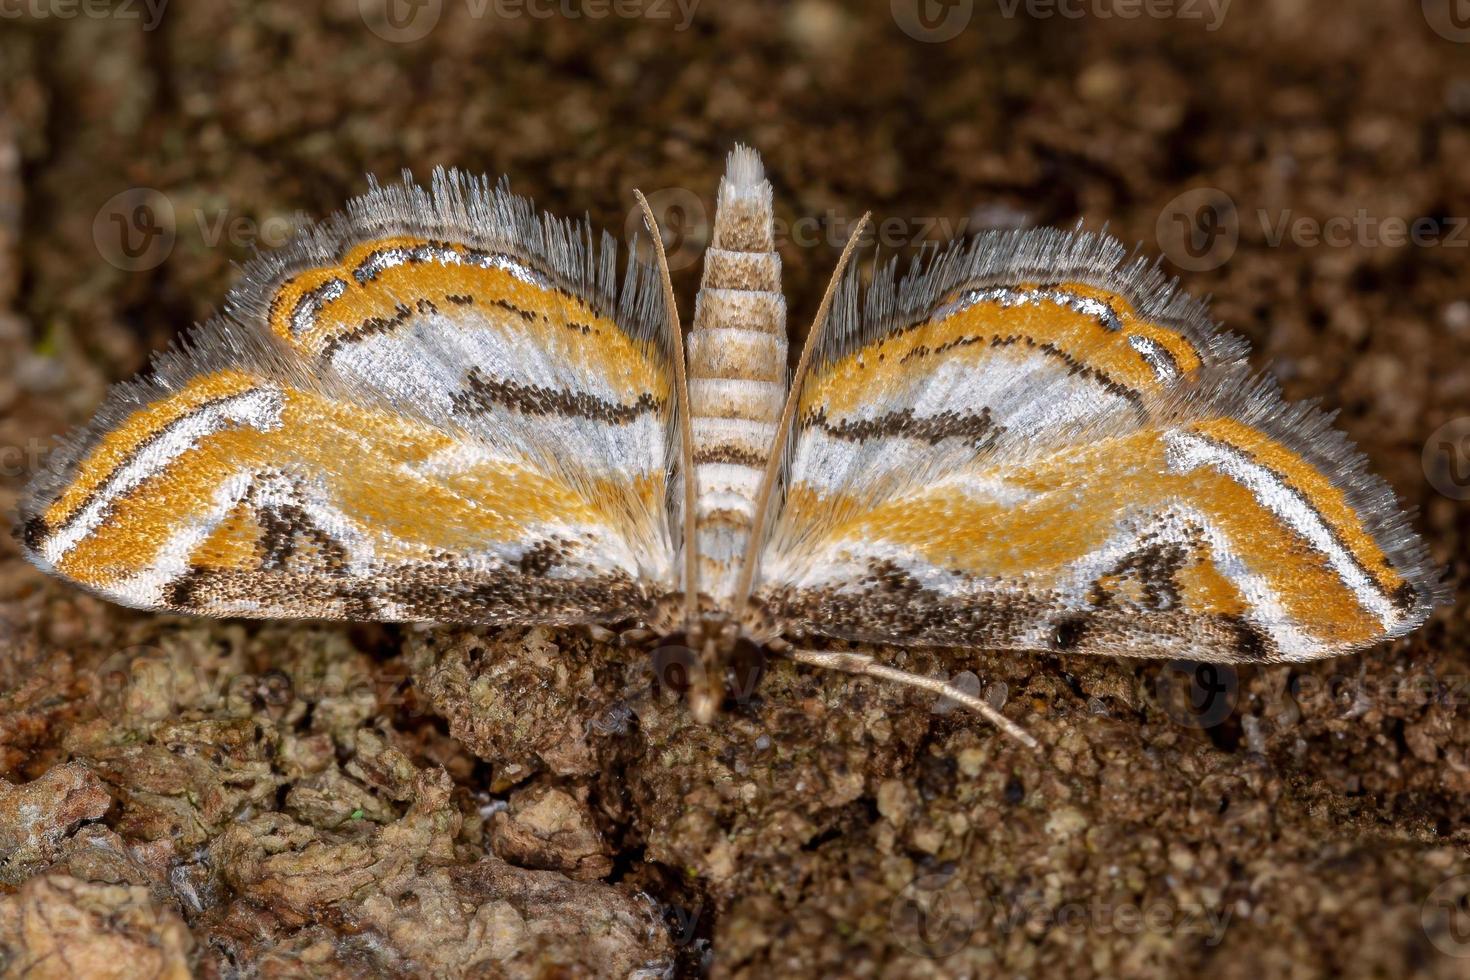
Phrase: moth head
x=722 y=669
x=707 y=688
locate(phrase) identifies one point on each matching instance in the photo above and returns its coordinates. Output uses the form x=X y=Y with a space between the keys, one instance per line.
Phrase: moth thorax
x=737 y=369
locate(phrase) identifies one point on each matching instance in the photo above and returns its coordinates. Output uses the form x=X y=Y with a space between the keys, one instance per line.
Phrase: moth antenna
x=862 y=664
x=746 y=582
x=686 y=429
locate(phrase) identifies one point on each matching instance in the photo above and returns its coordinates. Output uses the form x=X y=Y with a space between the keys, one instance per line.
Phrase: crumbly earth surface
x=232 y=799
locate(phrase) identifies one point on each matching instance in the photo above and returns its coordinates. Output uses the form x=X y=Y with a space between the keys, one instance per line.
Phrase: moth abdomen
x=737 y=368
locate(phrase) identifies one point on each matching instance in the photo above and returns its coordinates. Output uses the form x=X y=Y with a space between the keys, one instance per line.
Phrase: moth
x=442 y=407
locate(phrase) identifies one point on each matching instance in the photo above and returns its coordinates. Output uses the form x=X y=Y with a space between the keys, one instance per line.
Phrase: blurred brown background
x=209 y=792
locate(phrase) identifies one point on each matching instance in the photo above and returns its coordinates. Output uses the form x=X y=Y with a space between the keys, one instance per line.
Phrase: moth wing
x=435 y=407
x=1037 y=444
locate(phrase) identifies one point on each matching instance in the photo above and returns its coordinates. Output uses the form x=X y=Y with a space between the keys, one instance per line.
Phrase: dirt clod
x=219 y=799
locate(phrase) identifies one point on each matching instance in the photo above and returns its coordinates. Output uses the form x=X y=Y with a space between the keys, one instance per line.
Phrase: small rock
x=545 y=827
x=894 y=801
x=1066 y=822
x=36 y=818
x=59 y=926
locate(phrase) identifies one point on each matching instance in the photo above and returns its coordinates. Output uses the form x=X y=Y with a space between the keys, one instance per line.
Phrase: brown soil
x=216 y=798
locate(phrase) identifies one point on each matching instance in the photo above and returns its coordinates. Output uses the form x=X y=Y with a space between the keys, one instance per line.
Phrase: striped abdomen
x=737 y=370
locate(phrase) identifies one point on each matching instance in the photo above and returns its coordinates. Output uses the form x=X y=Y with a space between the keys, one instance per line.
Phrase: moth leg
x=638 y=637
x=860 y=663
x=599 y=634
